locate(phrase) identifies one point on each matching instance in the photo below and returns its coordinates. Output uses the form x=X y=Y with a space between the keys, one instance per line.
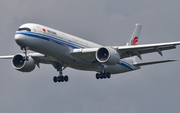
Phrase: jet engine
x=19 y=63
x=107 y=55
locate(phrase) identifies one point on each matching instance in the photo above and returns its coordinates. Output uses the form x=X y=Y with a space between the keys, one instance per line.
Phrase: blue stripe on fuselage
x=54 y=39
x=127 y=65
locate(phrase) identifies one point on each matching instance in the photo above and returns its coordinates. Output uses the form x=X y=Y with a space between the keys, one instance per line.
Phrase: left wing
x=137 y=50
x=88 y=54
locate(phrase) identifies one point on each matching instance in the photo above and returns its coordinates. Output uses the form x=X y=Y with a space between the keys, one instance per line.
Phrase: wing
x=137 y=50
x=88 y=54
x=6 y=57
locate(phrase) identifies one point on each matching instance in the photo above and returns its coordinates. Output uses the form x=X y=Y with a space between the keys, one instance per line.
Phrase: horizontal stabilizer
x=154 y=62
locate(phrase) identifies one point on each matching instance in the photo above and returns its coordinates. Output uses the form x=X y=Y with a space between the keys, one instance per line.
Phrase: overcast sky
x=152 y=89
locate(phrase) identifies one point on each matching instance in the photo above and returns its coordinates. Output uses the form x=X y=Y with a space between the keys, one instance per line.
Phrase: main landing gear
x=103 y=74
x=60 y=78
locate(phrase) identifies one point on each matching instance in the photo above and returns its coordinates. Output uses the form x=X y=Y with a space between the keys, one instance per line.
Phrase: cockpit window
x=25 y=28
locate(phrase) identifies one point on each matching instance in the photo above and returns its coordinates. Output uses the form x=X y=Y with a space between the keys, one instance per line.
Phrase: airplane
x=63 y=50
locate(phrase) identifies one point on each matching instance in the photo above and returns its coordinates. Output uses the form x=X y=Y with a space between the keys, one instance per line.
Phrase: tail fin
x=135 y=35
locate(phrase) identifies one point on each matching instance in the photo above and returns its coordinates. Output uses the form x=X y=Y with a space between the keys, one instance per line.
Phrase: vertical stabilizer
x=135 y=36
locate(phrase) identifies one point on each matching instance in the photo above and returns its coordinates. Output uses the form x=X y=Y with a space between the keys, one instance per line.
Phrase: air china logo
x=44 y=29
x=134 y=41
x=49 y=31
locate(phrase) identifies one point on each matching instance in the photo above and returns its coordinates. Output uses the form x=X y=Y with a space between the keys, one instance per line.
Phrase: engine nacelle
x=20 y=64
x=107 y=55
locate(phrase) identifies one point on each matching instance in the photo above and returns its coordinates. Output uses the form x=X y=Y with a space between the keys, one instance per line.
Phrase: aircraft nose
x=20 y=39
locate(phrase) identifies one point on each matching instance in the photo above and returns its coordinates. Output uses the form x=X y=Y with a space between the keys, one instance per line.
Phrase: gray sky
x=152 y=89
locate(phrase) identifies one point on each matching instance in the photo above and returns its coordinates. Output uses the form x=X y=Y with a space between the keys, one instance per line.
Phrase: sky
x=151 y=89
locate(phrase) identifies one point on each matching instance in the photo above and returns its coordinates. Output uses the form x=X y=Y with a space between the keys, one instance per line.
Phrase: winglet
x=135 y=36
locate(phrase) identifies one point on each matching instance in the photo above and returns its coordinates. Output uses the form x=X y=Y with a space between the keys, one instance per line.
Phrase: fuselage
x=58 y=45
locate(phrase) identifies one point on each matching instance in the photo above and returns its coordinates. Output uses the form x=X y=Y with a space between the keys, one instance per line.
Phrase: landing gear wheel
x=60 y=79
x=66 y=78
x=108 y=75
x=97 y=75
x=103 y=75
x=60 y=69
x=55 y=79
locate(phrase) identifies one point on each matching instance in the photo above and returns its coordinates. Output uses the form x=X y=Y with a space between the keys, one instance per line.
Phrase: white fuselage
x=58 y=45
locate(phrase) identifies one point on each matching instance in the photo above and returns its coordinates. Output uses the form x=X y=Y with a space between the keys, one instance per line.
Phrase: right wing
x=6 y=57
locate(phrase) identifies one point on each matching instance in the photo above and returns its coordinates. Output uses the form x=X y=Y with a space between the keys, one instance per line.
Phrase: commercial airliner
x=63 y=50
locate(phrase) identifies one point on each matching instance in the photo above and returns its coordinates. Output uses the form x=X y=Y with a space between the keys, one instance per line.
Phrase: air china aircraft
x=64 y=50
